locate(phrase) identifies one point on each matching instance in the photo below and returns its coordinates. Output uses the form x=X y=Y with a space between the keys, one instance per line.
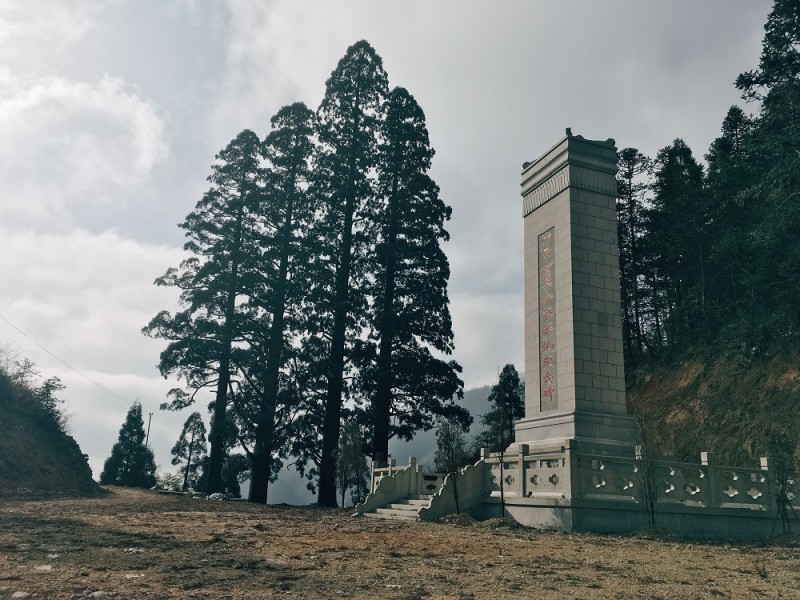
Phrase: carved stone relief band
x=576 y=177
x=546 y=190
x=548 y=368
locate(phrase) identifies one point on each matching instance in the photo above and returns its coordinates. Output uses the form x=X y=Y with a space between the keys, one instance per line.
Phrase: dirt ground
x=138 y=544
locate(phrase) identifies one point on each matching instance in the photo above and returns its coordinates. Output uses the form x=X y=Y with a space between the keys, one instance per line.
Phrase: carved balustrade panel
x=742 y=488
x=431 y=482
x=685 y=484
x=546 y=476
x=606 y=478
x=512 y=484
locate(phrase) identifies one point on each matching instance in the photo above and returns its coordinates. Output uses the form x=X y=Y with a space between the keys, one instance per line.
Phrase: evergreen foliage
x=287 y=214
x=224 y=236
x=131 y=463
x=709 y=257
x=191 y=449
x=507 y=400
x=410 y=316
x=348 y=119
x=315 y=277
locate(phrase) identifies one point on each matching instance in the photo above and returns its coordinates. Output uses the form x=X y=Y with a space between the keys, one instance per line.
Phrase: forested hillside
x=710 y=267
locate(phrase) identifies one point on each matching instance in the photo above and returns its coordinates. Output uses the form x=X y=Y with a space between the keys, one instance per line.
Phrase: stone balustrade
x=390 y=484
x=596 y=478
x=692 y=498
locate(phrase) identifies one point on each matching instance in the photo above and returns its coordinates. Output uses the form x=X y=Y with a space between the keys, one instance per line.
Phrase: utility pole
x=147 y=437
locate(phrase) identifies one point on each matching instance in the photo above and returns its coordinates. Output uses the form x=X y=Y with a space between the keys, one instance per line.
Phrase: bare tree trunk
x=502 y=484
x=455 y=490
x=188 y=463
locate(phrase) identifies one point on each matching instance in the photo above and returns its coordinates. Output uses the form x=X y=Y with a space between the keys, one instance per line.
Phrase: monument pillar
x=574 y=371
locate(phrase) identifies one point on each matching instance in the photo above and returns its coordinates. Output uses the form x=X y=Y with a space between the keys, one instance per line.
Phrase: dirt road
x=137 y=544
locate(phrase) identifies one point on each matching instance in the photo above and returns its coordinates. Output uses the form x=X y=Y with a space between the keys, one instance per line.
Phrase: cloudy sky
x=111 y=112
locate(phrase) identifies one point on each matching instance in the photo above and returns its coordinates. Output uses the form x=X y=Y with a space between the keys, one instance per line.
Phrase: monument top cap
x=598 y=155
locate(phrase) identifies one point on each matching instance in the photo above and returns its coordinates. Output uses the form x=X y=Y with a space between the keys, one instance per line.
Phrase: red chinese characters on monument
x=548 y=376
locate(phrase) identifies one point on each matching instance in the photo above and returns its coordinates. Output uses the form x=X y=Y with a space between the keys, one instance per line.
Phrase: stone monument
x=575 y=411
x=574 y=371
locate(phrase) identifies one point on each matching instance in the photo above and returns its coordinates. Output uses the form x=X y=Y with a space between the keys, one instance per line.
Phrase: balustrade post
x=773 y=497
x=712 y=480
x=523 y=485
x=570 y=450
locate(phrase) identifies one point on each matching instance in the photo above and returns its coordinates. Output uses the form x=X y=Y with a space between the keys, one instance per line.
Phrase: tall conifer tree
x=679 y=236
x=507 y=400
x=348 y=119
x=410 y=315
x=773 y=189
x=633 y=167
x=223 y=239
x=287 y=216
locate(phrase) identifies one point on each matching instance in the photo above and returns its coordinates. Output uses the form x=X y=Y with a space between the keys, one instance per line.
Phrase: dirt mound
x=462 y=520
x=37 y=460
x=726 y=405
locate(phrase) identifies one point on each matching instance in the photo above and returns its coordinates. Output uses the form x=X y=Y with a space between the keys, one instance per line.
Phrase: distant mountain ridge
x=423 y=446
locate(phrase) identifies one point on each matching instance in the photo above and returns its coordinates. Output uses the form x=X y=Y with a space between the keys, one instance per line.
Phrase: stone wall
x=568 y=489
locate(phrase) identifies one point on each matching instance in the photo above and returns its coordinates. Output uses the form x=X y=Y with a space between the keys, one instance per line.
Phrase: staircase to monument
x=411 y=494
x=404 y=509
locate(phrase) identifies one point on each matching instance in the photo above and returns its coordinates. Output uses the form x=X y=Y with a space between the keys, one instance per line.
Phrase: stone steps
x=406 y=509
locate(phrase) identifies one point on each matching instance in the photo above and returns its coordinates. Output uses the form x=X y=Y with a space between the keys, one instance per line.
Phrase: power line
x=66 y=364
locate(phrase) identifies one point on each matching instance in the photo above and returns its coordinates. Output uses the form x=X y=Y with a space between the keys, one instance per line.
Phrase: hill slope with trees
x=37 y=457
x=709 y=265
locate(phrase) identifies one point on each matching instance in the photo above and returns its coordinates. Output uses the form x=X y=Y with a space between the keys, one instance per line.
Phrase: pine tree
x=347 y=119
x=287 y=246
x=224 y=241
x=678 y=224
x=410 y=316
x=633 y=169
x=131 y=463
x=192 y=451
x=731 y=268
x=507 y=400
x=773 y=182
x=779 y=66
